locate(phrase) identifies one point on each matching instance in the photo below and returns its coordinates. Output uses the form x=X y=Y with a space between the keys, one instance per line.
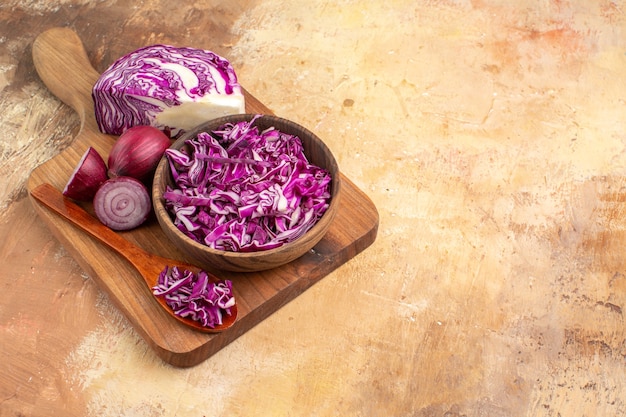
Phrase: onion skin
x=122 y=203
x=87 y=177
x=137 y=152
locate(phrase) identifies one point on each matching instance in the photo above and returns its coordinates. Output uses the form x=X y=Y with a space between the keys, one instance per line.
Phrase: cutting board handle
x=63 y=65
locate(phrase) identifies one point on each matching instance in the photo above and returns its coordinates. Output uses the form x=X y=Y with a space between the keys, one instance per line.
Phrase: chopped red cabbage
x=241 y=190
x=195 y=296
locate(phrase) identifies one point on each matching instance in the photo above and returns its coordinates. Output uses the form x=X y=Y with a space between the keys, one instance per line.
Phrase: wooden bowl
x=317 y=153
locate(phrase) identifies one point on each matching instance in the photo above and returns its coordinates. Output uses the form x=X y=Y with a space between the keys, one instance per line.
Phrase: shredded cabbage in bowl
x=241 y=190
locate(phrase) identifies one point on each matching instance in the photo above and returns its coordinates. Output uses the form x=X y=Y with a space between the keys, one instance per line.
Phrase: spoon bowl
x=147 y=264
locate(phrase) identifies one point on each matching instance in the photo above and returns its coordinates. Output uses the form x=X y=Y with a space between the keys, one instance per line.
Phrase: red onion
x=87 y=177
x=122 y=203
x=137 y=152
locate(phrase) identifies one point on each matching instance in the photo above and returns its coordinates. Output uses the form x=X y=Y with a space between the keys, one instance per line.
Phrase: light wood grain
x=62 y=64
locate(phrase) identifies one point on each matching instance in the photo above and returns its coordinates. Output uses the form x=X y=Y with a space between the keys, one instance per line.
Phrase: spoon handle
x=52 y=198
x=56 y=201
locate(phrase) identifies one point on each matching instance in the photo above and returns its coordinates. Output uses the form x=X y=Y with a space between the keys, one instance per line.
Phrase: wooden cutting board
x=63 y=65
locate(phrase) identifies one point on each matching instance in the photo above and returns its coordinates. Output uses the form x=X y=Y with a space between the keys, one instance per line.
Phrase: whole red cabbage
x=171 y=88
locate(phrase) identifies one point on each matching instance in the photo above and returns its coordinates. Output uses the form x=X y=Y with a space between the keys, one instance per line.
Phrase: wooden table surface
x=491 y=136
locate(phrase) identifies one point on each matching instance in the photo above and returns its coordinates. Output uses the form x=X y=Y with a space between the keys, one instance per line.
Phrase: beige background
x=491 y=137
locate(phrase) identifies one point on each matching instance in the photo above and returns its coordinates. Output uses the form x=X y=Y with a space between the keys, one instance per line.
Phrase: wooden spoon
x=147 y=264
